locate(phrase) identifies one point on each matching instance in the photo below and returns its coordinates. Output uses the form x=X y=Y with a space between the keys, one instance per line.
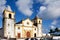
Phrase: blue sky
x=48 y=10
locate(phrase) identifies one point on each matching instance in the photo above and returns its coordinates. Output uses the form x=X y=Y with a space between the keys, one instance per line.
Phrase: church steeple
x=8 y=23
x=38 y=23
x=35 y=20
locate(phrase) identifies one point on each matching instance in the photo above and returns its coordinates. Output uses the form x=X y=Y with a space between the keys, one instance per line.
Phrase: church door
x=18 y=35
x=28 y=34
x=35 y=35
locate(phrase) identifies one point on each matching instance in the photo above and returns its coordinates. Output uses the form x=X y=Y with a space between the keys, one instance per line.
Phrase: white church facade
x=24 y=29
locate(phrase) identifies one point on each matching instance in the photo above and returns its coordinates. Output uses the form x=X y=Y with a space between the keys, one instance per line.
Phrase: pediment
x=27 y=22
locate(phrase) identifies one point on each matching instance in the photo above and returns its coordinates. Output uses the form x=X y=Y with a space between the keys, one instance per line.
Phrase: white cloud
x=44 y=30
x=54 y=22
x=52 y=27
x=42 y=8
x=2 y=6
x=8 y=8
x=24 y=6
x=52 y=10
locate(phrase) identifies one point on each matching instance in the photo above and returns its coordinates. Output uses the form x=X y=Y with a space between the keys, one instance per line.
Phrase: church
x=24 y=29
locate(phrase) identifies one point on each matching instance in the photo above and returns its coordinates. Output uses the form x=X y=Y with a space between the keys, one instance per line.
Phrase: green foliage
x=56 y=31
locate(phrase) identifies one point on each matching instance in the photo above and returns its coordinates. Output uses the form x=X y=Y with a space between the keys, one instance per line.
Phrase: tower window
x=39 y=22
x=9 y=15
x=8 y=24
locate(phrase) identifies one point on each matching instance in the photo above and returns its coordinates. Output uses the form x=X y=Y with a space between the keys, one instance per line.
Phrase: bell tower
x=8 y=23
x=38 y=24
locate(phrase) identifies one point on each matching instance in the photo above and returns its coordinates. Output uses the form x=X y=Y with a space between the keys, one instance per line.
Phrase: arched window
x=9 y=15
x=28 y=23
x=18 y=27
x=39 y=22
x=35 y=35
x=35 y=28
x=8 y=24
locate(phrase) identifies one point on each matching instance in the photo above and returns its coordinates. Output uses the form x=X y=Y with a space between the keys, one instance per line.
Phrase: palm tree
x=56 y=29
x=51 y=31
